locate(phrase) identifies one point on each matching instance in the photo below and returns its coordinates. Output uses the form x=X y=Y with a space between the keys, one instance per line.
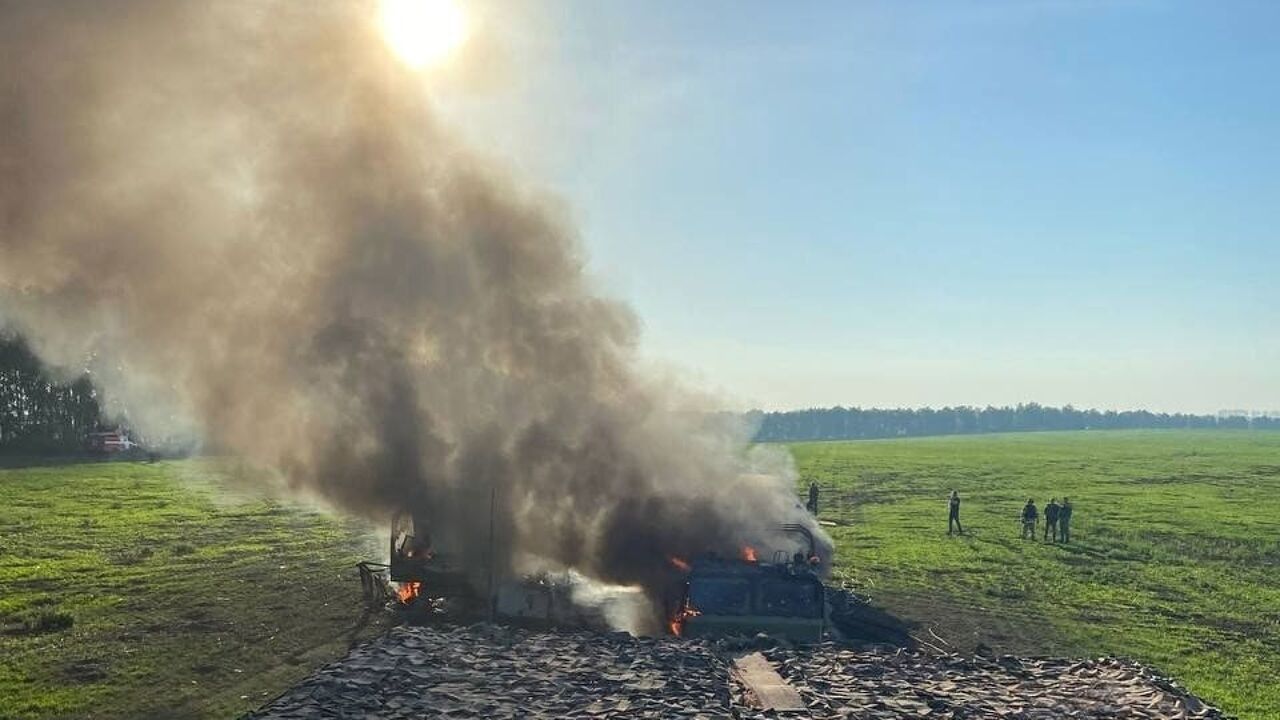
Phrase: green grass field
x=130 y=590
x=1175 y=559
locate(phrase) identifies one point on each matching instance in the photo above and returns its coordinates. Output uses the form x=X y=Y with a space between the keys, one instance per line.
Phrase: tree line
x=39 y=415
x=841 y=423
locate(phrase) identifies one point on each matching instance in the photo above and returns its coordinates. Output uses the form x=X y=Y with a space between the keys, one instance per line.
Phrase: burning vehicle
x=782 y=597
x=416 y=569
x=424 y=581
x=416 y=564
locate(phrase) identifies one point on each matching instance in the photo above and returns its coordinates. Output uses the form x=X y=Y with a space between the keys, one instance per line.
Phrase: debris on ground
x=858 y=621
x=881 y=683
x=493 y=672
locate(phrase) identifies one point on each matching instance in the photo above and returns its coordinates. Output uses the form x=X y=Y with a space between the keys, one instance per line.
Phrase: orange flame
x=678 y=563
x=676 y=624
x=749 y=554
x=409 y=591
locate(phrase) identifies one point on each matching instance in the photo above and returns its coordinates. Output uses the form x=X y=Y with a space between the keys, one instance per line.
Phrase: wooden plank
x=765 y=685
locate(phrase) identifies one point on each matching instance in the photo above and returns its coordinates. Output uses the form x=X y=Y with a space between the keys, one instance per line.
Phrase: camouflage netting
x=491 y=672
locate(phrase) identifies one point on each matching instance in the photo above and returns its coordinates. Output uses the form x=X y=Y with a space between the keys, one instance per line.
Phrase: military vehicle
x=417 y=568
x=784 y=597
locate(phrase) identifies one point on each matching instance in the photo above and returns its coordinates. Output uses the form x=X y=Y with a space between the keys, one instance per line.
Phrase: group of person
x=1057 y=518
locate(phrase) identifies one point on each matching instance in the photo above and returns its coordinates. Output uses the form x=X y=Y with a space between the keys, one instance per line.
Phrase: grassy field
x=131 y=590
x=149 y=591
x=1175 y=559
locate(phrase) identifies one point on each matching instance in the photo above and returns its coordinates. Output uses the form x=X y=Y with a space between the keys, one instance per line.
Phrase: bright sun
x=423 y=32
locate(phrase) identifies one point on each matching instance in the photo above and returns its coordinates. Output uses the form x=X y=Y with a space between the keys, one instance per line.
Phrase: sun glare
x=423 y=32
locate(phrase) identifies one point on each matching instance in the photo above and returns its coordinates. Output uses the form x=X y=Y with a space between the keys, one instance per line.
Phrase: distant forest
x=841 y=423
x=37 y=414
x=41 y=416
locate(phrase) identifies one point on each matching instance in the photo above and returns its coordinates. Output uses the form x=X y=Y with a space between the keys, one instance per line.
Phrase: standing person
x=1064 y=520
x=813 y=498
x=1029 y=517
x=1051 y=512
x=953 y=516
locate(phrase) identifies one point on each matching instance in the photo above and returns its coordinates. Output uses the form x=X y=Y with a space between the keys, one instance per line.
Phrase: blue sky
x=903 y=203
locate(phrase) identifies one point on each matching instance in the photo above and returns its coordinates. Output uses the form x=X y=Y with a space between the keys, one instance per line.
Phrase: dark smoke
x=244 y=215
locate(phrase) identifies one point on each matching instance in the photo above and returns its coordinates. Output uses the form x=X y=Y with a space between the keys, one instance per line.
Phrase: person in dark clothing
x=1064 y=521
x=1029 y=517
x=953 y=516
x=813 y=498
x=1051 y=520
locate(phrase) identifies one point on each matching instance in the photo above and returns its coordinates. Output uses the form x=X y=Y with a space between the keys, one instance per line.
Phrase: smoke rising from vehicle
x=245 y=215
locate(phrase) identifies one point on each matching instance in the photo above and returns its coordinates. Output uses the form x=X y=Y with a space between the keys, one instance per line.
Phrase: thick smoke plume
x=245 y=215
